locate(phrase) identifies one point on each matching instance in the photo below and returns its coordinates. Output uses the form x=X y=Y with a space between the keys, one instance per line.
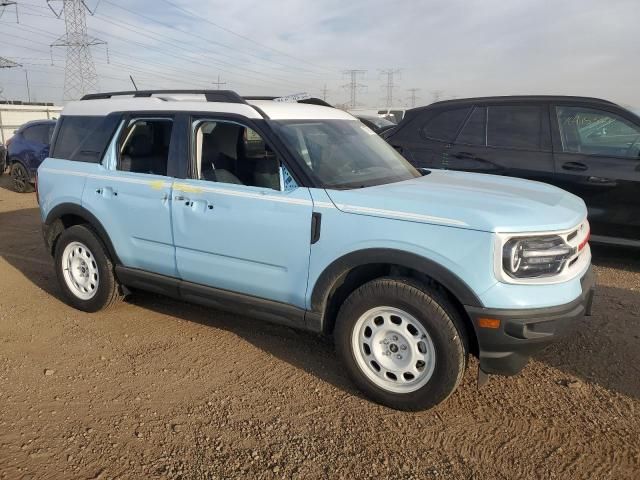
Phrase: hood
x=489 y=203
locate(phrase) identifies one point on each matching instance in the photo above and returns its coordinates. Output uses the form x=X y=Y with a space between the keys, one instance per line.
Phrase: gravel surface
x=156 y=388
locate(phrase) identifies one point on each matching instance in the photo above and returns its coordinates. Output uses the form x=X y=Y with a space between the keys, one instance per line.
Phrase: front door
x=130 y=193
x=597 y=157
x=236 y=227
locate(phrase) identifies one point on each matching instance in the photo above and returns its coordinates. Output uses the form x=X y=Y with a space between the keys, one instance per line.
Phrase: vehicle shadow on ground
x=311 y=353
x=623 y=258
x=603 y=349
x=5 y=182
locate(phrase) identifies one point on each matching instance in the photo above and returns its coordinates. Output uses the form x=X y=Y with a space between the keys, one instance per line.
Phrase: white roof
x=197 y=103
x=299 y=111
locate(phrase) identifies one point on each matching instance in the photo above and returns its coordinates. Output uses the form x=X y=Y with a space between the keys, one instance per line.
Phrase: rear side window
x=144 y=147
x=84 y=138
x=515 y=126
x=38 y=134
x=445 y=125
x=475 y=130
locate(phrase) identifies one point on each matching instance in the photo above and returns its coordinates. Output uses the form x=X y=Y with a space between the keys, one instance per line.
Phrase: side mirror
x=424 y=171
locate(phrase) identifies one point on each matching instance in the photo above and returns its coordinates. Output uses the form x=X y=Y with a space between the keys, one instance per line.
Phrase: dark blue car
x=26 y=150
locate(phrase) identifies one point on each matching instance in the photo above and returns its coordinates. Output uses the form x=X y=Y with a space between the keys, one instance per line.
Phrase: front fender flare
x=338 y=268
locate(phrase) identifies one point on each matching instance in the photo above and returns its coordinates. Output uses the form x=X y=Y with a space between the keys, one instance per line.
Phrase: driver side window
x=597 y=132
x=228 y=152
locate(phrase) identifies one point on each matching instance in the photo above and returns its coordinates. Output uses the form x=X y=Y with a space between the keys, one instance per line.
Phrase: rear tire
x=85 y=270
x=20 y=178
x=399 y=342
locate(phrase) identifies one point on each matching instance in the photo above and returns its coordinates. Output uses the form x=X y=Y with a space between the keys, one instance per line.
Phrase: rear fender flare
x=53 y=220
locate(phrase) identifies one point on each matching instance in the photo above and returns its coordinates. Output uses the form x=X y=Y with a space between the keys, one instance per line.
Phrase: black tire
x=436 y=315
x=3 y=162
x=20 y=178
x=108 y=291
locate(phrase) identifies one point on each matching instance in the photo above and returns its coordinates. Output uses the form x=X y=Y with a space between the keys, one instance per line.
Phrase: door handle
x=574 y=166
x=182 y=198
x=106 y=192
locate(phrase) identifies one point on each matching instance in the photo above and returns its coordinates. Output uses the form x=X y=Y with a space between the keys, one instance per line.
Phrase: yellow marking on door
x=157 y=184
x=184 y=187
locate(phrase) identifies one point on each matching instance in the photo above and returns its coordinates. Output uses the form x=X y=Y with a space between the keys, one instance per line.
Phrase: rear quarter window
x=84 y=138
x=445 y=125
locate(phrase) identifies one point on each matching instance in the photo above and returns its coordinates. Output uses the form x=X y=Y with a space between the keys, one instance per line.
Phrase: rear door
x=597 y=157
x=505 y=139
x=130 y=192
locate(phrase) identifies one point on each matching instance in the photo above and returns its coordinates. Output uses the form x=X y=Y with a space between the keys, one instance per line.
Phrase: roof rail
x=310 y=101
x=222 y=96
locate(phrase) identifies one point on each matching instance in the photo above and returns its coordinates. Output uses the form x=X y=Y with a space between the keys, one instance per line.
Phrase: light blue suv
x=295 y=212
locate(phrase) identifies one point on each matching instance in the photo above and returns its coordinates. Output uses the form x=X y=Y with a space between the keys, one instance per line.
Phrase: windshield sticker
x=288 y=180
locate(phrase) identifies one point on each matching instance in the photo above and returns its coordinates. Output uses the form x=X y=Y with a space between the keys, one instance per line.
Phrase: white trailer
x=13 y=116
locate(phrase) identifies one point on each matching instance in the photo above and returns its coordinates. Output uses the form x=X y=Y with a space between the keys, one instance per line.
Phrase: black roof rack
x=310 y=101
x=512 y=98
x=222 y=96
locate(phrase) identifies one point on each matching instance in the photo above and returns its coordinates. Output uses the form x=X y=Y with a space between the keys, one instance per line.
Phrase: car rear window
x=514 y=126
x=84 y=138
x=445 y=125
x=38 y=134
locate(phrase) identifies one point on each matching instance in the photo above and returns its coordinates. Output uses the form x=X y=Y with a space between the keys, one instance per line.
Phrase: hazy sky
x=458 y=48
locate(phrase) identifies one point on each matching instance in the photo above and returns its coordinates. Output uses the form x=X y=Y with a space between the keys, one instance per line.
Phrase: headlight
x=535 y=257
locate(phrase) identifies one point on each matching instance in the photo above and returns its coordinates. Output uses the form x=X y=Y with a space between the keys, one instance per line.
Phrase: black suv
x=587 y=146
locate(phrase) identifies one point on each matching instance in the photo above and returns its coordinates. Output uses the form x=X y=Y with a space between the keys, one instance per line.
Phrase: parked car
x=587 y=146
x=294 y=213
x=375 y=123
x=26 y=150
x=3 y=158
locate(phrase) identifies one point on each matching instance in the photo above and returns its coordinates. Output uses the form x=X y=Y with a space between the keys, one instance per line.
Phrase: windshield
x=344 y=153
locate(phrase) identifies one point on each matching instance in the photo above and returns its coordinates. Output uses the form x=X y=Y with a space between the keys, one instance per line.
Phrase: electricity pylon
x=412 y=96
x=390 y=85
x=353 y=86
x=80 y=75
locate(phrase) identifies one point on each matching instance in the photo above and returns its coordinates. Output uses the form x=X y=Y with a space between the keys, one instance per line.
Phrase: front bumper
x=523 y=332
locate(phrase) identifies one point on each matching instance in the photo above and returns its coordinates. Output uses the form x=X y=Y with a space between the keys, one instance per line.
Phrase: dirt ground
x=156 y=388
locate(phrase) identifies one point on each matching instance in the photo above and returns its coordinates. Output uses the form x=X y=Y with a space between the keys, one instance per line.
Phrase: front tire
x=399 y=342
x=85 y=271
x=20 y=178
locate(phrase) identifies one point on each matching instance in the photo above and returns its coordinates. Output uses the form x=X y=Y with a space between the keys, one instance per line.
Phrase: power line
x=234 y=49
x=6 y=63
x=80 y=71
x=353 y=86
x=390 y=85
x=260 y=44
x=173 y=43
x=8 y=3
